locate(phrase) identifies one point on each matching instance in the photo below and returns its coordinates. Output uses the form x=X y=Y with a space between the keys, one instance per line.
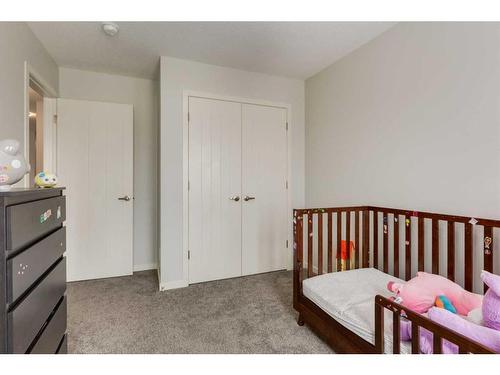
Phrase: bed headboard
x=424 y=241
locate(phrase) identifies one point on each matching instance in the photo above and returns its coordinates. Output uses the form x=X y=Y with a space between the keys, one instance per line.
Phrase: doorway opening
x=40 y=125
x=35 y=121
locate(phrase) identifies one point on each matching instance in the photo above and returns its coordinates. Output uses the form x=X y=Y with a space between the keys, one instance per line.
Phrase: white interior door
x=264 y=178
x=95 y=163
x=214 y=178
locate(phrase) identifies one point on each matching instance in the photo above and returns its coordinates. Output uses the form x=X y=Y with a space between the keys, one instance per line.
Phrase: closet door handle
x=125 y=198
x=247 y=198
x=235 y=198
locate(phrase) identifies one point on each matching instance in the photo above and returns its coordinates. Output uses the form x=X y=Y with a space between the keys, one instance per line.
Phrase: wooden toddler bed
x=330 y=303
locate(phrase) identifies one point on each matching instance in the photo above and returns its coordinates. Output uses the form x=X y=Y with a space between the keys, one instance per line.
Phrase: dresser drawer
x=25 y=268
x=30 y=221
x=26 y=319
x=49 y=340
x=63 y=346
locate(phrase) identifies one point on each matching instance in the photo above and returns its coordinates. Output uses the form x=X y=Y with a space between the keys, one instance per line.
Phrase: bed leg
x=300 y=320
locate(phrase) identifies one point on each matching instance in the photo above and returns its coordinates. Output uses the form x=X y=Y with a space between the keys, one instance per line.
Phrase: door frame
x=49 y=96
x=186 y=94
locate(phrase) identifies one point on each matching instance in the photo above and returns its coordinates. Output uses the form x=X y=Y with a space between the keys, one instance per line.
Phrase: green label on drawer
x=45 y=216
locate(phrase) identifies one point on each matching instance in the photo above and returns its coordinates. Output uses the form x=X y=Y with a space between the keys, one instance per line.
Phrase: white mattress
x=349 y=298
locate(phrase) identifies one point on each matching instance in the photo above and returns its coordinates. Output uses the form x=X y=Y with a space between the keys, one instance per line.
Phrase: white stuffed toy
x=13 y=166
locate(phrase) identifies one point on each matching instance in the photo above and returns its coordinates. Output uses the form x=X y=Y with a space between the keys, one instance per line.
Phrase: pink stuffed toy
x=419 y=294
x=488 y=335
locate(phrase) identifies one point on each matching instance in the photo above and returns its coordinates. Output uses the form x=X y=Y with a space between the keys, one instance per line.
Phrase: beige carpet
x=251 y=314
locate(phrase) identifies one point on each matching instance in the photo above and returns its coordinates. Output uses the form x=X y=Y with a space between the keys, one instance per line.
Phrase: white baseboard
x=176 y=284
x=315 y=267
x=145 y=267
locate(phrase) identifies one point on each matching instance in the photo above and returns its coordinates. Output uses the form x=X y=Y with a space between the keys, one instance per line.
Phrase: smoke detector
x=110 y=28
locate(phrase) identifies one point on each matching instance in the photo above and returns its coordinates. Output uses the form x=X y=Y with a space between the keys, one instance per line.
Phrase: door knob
x=247 y=198
x=235 y=198
x=125 y=198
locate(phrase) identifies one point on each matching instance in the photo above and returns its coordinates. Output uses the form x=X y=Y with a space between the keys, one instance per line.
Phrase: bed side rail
x=439 y=332
x=334 y=239
x=327 y=253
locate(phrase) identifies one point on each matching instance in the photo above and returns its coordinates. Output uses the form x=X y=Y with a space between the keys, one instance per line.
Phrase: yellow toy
x=45 y=180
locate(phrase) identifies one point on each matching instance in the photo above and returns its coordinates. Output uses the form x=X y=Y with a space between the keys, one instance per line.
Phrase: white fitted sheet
x=349 y=298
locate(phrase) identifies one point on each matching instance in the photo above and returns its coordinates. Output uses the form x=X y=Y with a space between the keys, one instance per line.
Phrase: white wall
x=178 y=75
x=142 y=94
x=410 y=120
x=17 y=45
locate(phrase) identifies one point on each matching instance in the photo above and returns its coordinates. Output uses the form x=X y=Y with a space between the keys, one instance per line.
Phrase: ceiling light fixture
x=110 y=28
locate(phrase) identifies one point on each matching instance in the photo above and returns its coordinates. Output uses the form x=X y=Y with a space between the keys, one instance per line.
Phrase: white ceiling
x=290 y=49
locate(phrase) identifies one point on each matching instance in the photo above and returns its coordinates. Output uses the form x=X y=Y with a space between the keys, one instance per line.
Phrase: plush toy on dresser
x=13 y=166
x=45 y=180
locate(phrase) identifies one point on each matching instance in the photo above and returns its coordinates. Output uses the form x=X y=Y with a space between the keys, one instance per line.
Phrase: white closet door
x=264 y=171
x=95 y=163
x=214 y=178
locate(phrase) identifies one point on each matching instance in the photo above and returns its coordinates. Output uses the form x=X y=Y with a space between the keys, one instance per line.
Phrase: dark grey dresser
x=33 y=271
